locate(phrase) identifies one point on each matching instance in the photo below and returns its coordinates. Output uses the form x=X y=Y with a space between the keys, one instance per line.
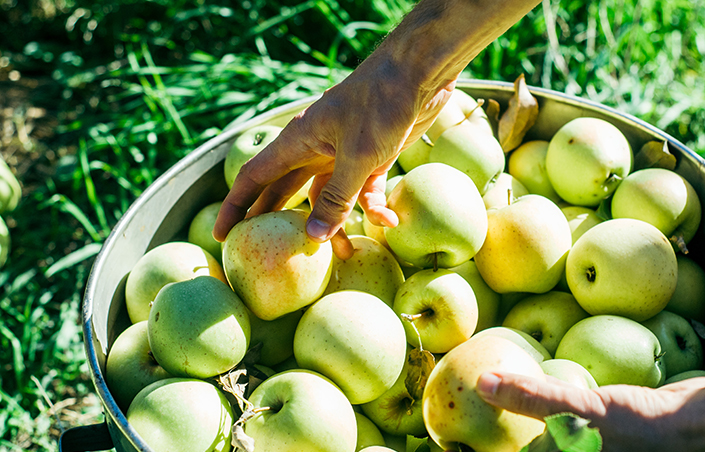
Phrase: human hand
x=629 y=418
x=347 y=141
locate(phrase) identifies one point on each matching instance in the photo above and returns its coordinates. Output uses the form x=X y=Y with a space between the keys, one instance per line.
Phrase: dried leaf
x=655 y=154
x=240 y=441
x=421 y=363
x=520 y=116
x=492 y=110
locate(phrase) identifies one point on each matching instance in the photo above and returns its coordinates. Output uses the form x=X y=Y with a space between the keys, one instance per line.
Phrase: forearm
x=439 y=38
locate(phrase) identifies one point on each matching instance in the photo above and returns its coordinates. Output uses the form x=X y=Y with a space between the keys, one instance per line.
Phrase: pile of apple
x=570 y=264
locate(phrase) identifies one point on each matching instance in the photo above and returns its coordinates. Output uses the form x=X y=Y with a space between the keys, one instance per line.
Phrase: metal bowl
x=163 y=212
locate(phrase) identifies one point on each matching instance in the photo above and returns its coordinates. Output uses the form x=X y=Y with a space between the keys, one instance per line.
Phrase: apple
x=527 y=164
x=300 y=196
x=472 y=110
x=455 y=413
x=521 y=338
x=443 y=306
x=615 y=350
x=130 y=365
x=4 y=242
x=208 y=322
x=442 y=219
x=182 y=415
x=488 y=301
x=353 y=224
x=167 y=263
x=246 y=146
x=586 y=160
x=301 y=411
x=624 y=267
x=415 y=155
x=505 y=191
x=662 y=198
x=356 y=340
x=580 y=219
x=367 y=433
x=688 y=300
x=681 y=347
x=526 y=246
x=377 y=449
x=397 y=412
x=684 y=376
x=276 y=336
x=274 y=266
x=546 y=317
x=200 y=231
x=450 y=115
x=507 y=301
x=569 y=372
x=373 y=231
x=372 y=269
x=470 y=149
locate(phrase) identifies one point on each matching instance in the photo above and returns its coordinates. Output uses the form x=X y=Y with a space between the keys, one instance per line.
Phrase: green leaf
x=74 y=258
x=604 y=210
x=566 y=432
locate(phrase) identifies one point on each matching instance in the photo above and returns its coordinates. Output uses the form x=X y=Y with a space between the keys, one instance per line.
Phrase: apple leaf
x=520 y=116
x=421 y=363
x=566 y=432
x=655 y=154
x=699 y=328
x=604 y=210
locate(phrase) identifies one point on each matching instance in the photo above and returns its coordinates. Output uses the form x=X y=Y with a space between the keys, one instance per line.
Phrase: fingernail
x=488 y=384
x=317 y=229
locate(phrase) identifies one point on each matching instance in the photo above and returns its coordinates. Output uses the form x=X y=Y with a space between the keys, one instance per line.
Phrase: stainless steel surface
x=165 y=209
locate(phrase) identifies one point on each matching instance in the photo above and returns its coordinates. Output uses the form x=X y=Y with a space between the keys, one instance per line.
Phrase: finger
x=536 y=398
x=373 y=201
x=342 y=246
x=336 y=199
x=275 y=161
x=278 y=193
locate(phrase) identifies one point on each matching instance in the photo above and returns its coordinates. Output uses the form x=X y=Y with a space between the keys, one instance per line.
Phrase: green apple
x=377 y=449
x=526 y=246
x=397 y=412
x=662 y=198
x=130 y=365
x=488 y=300
x=546 y=317
x=615 y=350
x=246 y=146
x=353 y=224
x=182 y=415
x=689 y=298
x=300 y=196
x=274 y=266
x=528 y=165
x=373 y=231
x=301 y=411
x=684 y=376
x=456 y=414
x=415 y=155
x=372 y=269
x=167 y=263
x=356 y=340
x=443 y=307
x=570 y=372
x=624 y=267
x=507 y=301
x=580 y=219
x=521 y=338
x=442 y=219
x=10 y=189
x=198 y=328
x=471 y=150
x=200 y=231
x=586 y=160
x=367 y=433
x=681 y=347
x=276 y=337
x=4 y=242
x=391 y=183
x=505 y=191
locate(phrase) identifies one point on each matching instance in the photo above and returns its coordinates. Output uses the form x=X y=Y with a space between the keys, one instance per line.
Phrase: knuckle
x=332 y=200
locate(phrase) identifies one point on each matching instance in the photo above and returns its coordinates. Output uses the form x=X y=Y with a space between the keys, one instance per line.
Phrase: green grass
x=135 y=86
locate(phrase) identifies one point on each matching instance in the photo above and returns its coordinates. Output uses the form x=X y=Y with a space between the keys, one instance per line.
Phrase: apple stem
x=678 y=241
x=426 y=140
x=411 y=318
x=509 y=196
x=480 y=103
x=435 y=262
x=591 y=274
x=613 y=177
x=258 y=139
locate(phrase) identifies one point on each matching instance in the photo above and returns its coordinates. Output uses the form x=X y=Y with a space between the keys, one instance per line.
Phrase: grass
x=124 y=89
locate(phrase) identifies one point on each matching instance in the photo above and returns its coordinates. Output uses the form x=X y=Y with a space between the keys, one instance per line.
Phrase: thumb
x=535 y=397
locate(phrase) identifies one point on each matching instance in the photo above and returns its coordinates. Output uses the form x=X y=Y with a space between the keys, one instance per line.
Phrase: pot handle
x=86 y=438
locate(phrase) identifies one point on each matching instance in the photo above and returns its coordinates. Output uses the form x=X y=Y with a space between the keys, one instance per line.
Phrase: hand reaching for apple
x=628 y=417
x=350 y=137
